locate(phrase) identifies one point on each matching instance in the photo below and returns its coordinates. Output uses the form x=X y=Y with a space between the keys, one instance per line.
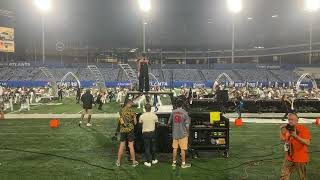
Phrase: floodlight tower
x=145 y=7
x=235 y=7
x=311 y=6
x=44 y=6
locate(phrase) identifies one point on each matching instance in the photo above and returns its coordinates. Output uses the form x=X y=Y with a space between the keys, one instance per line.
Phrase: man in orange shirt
x=297 y=139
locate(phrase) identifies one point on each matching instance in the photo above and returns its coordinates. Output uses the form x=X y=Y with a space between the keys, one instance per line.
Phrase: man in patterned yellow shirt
x=127 y=121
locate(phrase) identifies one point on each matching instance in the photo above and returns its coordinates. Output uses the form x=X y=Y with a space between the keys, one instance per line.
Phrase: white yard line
x=57 y=116
x=251 y=118
x=13 y=133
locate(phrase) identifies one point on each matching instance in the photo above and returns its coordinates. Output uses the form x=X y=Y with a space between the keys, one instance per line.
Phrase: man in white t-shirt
x=149 y=120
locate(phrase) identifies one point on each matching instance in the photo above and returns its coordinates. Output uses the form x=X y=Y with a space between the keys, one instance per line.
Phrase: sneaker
x=147 y=164
x=117 y=163
x=174 y=164
x=80 y=122
x=185 y=165
x=88 y=124
x=135 y=163
x=155 y=161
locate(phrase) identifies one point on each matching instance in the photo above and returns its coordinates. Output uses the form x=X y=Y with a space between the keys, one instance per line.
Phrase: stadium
x=241 y=70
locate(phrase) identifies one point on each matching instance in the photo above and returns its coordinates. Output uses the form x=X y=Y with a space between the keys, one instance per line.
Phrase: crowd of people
x=24 y=97
x=21 y=96
x=252 y=93
x=179 y=120
x=295 y=136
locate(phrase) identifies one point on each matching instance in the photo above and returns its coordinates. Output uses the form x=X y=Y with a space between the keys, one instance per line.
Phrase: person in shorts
x=180 y=131
x=87 y=101
x=127 y=121
x=297 y=140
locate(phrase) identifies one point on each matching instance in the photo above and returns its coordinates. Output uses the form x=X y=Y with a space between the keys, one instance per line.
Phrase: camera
x=115 y=137
x=290 y=127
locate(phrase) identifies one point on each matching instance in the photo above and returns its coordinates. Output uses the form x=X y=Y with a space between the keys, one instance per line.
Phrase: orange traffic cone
x=317 y=122
x=54 y=123
x=238 y=122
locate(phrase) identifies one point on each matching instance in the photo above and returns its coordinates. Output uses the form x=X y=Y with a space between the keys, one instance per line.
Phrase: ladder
x=155 y=79
x=130 y=73
x=47 y=73
x=100 y=82
x=51 y=79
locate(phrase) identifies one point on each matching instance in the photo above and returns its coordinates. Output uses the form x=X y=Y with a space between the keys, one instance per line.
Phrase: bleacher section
x=85 y=74
x=212 y=75
x=157 y=73
x=109 y=74
x=165 y=73
x=183 y=75
x=286 y=75
x=313 y=71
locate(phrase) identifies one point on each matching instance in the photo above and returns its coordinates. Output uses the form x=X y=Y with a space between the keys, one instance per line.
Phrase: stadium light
x=312 y=5
x=235 y=6
x=43 y=5
x=145 y=5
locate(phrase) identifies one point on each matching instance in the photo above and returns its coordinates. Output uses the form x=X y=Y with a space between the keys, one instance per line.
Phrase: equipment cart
x=209 y=131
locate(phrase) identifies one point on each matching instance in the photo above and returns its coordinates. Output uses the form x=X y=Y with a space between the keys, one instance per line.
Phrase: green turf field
x=72 y=152
x=69 y=106
x=66 y=106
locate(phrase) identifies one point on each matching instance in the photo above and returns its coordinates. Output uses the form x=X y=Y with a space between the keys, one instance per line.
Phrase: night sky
x=172 y=24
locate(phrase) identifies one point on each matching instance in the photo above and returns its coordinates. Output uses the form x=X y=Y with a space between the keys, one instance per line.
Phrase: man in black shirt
x=286 y=105
x=110 y=96
x=143 y=74
x=99 y=101
x=239 y=104
x=60 y=93
x=87 y=101
x=78 y=96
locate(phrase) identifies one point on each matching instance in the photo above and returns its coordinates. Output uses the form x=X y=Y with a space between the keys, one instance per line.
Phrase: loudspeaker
x=222 y=96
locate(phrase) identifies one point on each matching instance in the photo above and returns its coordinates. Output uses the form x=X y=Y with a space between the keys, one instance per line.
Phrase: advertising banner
x=6 y=39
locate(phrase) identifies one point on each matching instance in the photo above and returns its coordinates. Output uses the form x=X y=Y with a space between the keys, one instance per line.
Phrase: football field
x=30 y=149
x=66 y=106
x=73 y=152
